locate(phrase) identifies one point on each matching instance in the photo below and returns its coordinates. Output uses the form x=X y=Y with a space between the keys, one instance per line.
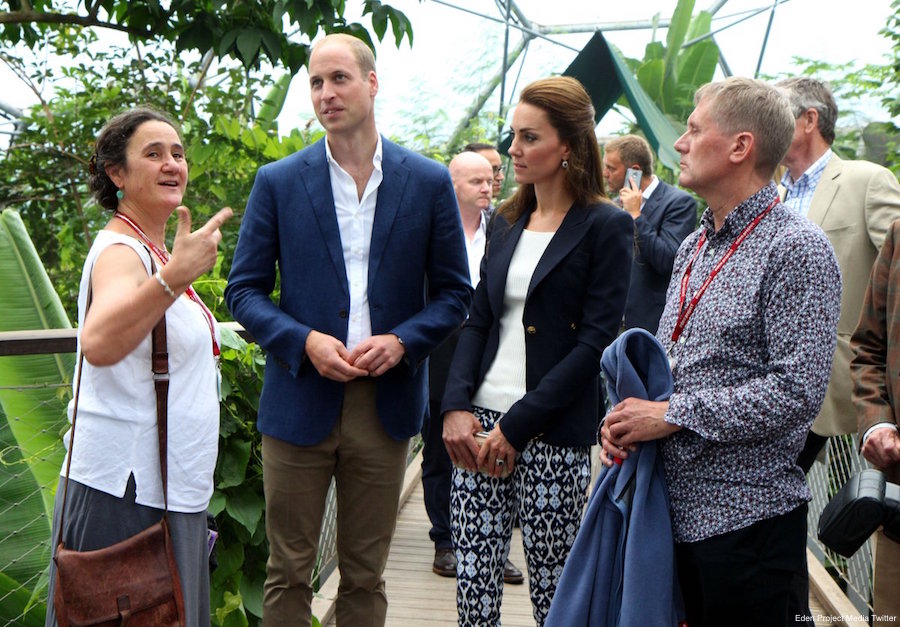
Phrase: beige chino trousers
x=368 y=468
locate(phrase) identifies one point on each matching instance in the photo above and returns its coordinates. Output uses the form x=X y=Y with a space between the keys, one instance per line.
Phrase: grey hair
x=806 y=93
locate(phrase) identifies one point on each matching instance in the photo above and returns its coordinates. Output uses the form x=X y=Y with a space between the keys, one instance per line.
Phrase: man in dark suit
x=367 y=240
x=663 y=217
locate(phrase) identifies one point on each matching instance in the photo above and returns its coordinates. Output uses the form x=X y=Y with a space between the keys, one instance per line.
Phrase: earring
x=565 y=164
x=120 y=194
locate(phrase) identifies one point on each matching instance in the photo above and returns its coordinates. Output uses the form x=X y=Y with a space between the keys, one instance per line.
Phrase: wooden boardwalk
x=416 y=596
x=419 y=598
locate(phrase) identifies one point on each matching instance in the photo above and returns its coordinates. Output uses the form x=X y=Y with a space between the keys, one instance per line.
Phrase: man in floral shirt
x=749 y=326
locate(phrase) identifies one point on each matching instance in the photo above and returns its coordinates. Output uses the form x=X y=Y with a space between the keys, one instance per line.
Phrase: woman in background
x=551 y=298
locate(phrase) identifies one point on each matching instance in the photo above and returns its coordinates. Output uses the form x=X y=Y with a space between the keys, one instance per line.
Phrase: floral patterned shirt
x=750 y=369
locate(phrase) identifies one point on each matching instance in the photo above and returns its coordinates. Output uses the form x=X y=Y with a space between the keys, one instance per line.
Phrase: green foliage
x=46 y=167
x=892 y=98
x=33 y=399
x=853 y=85
x=29 y=302
x=892 y=32
x=670 y=74
x=25 y=530
x=238 y=502
x=250 y=32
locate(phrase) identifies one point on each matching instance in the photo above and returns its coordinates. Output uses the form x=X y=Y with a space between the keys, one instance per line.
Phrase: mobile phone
x=633 y=174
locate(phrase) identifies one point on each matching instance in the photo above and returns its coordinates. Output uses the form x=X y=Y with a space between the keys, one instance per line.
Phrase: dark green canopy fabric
x=605 y=75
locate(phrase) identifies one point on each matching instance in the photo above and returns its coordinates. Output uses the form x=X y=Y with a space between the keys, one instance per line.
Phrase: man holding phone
x=663 y=217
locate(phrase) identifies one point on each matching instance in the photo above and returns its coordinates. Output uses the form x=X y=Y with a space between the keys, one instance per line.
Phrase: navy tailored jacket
x=573 y=310
x=418 y=285
x=666 y=219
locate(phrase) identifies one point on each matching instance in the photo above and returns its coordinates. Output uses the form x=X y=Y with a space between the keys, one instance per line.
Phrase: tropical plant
x=670 y=73
x=46 y=166
x=247 y=31
x=892 y=99
x=33 y=398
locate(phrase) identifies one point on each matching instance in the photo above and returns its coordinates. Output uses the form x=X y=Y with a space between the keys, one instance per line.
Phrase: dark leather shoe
x=511 y=574
x=445 y=563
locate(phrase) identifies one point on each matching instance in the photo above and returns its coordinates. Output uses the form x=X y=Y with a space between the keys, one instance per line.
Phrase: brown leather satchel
x=133 y=582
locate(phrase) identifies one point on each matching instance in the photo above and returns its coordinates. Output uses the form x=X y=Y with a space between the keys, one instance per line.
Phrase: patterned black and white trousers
x=547 y=491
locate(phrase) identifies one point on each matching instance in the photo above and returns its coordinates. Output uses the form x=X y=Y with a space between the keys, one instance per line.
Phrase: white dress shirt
x=355 y=217
x=475 y=251
x=645 y=195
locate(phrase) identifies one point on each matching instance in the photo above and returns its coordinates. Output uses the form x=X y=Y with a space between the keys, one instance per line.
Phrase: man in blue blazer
x=366 y=238
x=663 y=217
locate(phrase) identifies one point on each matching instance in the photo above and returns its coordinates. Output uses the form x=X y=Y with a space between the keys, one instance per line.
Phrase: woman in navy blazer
x=554 y=280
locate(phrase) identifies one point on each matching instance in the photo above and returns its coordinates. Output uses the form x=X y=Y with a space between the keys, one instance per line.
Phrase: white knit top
x=504 y=382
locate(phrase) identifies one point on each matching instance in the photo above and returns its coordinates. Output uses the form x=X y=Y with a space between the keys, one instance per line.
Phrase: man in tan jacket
x=854 y=202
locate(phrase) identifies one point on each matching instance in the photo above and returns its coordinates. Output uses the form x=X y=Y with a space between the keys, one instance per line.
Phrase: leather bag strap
x=160 y=367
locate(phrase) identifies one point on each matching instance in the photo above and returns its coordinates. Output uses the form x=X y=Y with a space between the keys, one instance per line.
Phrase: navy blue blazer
x=573 y=310
x=666 y=219
x=290 y=226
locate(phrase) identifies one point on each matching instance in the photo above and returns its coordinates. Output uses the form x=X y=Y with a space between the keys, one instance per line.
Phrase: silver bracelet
x=164 y=285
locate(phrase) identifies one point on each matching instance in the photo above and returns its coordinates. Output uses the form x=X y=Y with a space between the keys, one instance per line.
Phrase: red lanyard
x=164 y=258
x=686 y=313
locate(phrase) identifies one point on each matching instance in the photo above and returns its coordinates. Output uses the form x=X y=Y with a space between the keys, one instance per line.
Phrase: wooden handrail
x=49 y=341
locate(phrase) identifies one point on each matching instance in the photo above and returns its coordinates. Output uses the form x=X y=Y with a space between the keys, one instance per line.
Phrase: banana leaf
x=24 y=537
x=273 y=103
x=678 y=28
x=12 y=597
x=34 y=390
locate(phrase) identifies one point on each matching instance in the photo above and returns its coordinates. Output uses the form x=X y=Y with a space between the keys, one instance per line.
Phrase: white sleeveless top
x=117 y=433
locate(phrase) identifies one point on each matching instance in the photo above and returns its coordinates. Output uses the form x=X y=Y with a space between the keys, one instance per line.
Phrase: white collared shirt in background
x=645 y=195
x=355 y=218
x=475 y=251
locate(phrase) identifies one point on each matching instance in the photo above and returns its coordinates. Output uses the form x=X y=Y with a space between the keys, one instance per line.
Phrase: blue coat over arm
x=418 y=285
x=621 y=571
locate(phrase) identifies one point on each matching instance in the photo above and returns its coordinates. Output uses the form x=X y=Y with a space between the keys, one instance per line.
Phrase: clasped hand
x=372 y=357
x=460 y=428
x=631 y=421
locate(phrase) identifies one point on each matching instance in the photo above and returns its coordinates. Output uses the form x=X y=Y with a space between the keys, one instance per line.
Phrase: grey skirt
x=95 y=520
